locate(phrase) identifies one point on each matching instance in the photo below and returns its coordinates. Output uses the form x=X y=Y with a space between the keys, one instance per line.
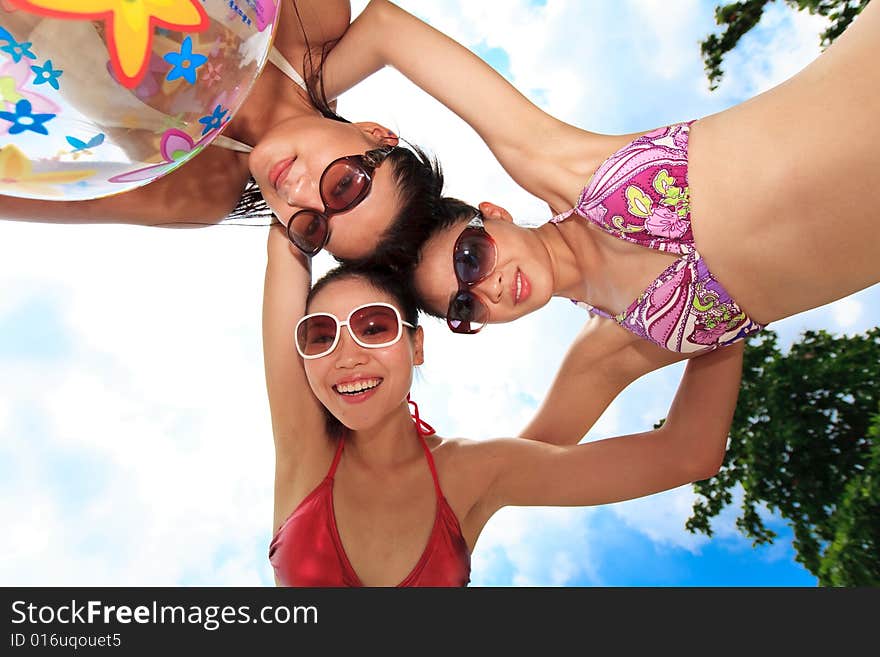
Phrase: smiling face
x=288 y=164
x=520 y=283
x=361 y=386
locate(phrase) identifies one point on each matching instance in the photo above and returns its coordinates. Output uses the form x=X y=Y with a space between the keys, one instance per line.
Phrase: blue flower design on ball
x=23 y=119
x=16 y=49
x=214 y=120
x=184 y=63
x=46 y=74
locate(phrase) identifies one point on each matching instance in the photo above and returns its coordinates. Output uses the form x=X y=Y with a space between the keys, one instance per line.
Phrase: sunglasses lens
x=316 y=335
x=308 y=231
x=343 y=185
x=375 y=325
x=466 y=313
x=474 y=256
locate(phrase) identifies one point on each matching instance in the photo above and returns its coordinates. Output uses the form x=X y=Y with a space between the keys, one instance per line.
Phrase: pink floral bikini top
x=640 y=194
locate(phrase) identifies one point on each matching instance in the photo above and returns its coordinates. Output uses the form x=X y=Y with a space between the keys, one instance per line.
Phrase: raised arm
x=297 y=419
x=530 y=144
x=601 y=362
x=688 y=447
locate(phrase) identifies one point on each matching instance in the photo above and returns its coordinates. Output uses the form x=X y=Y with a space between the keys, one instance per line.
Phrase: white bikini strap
x=285 y=67
x=231 y=144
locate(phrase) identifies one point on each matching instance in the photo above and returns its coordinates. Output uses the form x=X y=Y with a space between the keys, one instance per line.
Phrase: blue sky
x=135 y=445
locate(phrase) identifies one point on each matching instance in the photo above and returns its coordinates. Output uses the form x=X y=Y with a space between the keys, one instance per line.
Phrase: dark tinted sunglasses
x=345 y=183
x=473 y=258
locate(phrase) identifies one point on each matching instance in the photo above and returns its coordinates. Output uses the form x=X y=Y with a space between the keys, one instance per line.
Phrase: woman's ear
x=493 y=211
x=419 y=346
x=378 y=133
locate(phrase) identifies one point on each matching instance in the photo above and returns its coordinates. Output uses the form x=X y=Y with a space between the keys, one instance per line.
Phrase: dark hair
x=382 y=279
x=419 y=181
x=251 y=204
x=402 y=242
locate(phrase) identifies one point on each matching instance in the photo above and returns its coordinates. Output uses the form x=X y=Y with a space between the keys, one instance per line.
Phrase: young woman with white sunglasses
x=367 y=494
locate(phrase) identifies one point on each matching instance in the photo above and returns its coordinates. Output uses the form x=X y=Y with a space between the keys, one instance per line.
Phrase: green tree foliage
x=853 y=558
x=740 y=17
x=805 y=445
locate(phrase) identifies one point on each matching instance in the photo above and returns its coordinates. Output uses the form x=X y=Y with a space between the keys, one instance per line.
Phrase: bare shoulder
x=314 y=21
x=464 y=468
x=461 y=462
x=453 y=449
x=473 y=461
x=568 y=157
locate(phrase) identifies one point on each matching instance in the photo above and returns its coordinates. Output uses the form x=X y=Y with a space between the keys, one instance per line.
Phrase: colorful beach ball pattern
x=100 y=97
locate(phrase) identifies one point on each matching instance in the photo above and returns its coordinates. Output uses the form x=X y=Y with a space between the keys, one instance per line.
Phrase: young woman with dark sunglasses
x=285 y=152
x=367 y=494
x=650 y=234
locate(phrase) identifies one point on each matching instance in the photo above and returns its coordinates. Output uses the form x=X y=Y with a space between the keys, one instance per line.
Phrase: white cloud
x=662 y=517
x=856 y=313
x=535 y=546
x=656 y=32
x=847 y=312
x=5 y=416
x=782 y=44
x=725 y=530
x=162 y=391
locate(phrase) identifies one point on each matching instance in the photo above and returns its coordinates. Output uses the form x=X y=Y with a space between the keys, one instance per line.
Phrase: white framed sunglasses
x=372 y=325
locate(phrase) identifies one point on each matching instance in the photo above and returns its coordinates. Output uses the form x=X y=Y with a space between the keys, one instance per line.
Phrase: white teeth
x=518 y=285
x=357 y=386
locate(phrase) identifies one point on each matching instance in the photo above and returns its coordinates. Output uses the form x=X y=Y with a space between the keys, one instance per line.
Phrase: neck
x=273 y=98
x=392 y=441
x=576 y=259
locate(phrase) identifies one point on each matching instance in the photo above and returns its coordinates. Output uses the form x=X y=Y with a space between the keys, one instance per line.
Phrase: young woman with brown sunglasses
x=285 y=152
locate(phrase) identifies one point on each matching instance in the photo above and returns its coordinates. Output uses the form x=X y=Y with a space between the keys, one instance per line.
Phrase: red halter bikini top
x=306 y=551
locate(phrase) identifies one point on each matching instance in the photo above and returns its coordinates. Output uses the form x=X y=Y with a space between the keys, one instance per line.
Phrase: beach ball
x=98 y=97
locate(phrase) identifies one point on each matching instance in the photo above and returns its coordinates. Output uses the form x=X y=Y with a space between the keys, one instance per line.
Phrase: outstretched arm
x=601 y=362
x=688 y=447
x=199 y=192
x=530 y=144
x=297 y=419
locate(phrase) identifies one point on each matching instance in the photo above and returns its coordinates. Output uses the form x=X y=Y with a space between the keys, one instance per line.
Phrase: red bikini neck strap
x=425 y=429
x=422 y=427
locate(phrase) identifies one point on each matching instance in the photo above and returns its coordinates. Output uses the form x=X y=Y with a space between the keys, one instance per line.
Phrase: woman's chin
x=360 y=418
x=356 y=417
x=356 y=421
